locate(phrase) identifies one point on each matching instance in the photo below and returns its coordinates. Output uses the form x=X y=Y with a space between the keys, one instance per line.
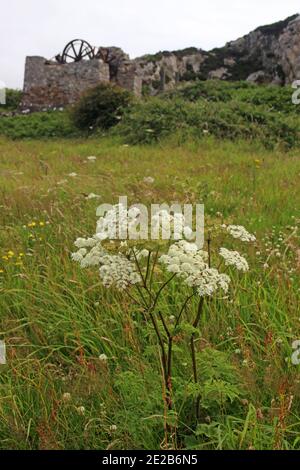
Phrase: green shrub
x=38 y=125
x=210 y=90
x=157 y=118
x=100 y=107
x=272 y=98
x=153 y=119
x=13 y=99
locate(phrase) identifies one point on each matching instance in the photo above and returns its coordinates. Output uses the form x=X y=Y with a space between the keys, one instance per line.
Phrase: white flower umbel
x=118 y=271
x=88 y=258
x=115 y=270
x=79 y=255
x=184 y=258
x=238 y=231
x=190 y=263
x=233 y=258
x=210 y=281
x=85 y=242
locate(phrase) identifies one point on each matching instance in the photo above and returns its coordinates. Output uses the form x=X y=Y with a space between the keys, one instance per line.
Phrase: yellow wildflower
x=42 y=224
x=257 y=163
x=10 y=254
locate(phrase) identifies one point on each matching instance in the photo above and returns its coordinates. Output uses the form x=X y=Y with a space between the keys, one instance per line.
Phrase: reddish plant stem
x=193 y=353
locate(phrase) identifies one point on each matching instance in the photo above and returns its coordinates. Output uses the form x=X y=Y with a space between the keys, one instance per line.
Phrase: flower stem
x=165 y=360
x=193 y=353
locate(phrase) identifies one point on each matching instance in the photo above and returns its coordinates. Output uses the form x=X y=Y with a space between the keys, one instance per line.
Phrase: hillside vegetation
x=226 y=110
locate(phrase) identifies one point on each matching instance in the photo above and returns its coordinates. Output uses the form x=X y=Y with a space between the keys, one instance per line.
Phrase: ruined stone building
x=52 y=83
x=269 y=54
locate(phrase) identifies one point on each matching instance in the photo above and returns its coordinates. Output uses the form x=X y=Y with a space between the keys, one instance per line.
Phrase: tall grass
x=57 y=319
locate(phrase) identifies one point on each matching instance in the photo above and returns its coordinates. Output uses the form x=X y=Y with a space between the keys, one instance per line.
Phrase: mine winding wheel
x=75 y=51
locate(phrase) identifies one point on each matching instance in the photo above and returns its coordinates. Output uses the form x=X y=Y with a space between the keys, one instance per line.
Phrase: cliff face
x=270 y=54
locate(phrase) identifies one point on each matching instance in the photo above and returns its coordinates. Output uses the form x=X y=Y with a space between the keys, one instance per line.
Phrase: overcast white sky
x=43 y=27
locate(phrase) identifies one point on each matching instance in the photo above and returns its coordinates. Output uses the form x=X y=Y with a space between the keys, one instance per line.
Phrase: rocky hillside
x=269 y=54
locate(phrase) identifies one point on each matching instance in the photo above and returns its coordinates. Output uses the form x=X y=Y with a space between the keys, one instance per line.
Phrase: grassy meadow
x=57 y=319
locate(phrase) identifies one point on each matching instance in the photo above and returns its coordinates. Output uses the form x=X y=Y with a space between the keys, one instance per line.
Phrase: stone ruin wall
x=48 y=84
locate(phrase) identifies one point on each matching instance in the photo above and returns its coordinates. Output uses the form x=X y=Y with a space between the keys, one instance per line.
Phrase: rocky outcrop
x=270 y=54
x=288 y=50
x=165 y=69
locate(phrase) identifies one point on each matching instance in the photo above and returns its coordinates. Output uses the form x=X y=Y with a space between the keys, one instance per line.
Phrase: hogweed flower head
x=239 y=232
x=184 y=259
x=210 y=281
x=190 y=264
x=103 y=358
x=118 y=271
x=114 y=270
x=233 y=258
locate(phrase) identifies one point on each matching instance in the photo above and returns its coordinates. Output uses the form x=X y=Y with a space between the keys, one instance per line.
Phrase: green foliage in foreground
x=57 y=320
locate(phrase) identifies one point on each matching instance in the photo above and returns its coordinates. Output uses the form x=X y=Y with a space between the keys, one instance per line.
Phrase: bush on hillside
x=210 y=90
x=100 y=107
x=13 y=99
x=157 y=118
x=50 y=124
x=153 y=119
x=273 y=98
